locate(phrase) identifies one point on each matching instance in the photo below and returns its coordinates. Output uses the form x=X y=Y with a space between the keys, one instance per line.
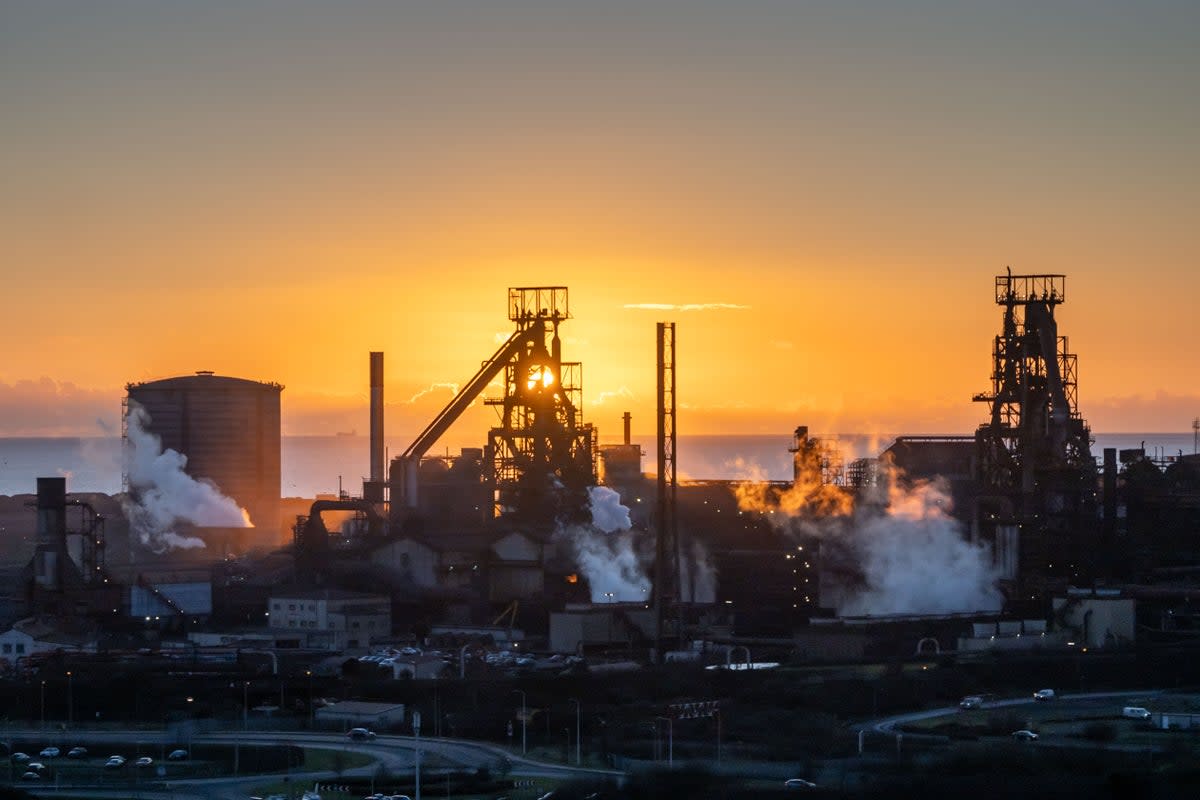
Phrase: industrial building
x=229 y=430
x=463 y=542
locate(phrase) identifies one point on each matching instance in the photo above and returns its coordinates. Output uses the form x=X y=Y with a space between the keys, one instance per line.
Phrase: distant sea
x=314 y=464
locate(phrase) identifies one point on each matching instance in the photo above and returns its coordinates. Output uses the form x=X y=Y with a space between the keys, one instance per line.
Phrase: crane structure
x=1034 y=467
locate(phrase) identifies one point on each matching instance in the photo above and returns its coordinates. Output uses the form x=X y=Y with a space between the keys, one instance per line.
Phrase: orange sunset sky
x=272 y=189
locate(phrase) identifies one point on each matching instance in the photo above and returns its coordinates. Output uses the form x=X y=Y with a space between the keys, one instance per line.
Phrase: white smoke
x=895 y=550
x=697 y=576
x=163 y=495
x=608 y=513
x=915 y=560
x=607 y=555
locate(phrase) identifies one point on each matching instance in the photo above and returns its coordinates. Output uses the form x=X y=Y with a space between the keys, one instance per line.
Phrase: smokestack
x=627 y=417
x=51 y=550
x=376 y=417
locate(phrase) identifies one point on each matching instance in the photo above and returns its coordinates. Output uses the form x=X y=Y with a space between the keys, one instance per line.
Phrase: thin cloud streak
x=686 y=307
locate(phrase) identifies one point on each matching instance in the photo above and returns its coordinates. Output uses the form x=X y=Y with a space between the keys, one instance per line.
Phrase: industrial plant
x=1013 y=537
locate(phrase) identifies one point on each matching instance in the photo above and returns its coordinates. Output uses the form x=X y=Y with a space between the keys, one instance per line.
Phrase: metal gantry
x=667 y=551
x=1034 y=463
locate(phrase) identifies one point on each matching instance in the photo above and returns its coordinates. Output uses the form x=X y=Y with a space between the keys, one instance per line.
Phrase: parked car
x=177 y=755
x=20 y=757
x=114 y=762
x=970 y=701
x=1135 y=712
x=361 y=735
x=1044 y=694
x=31 y=776
x=144 y=761
x=798 y=783
x=36 y=766
x=77 y=752
x=1025 y=736
x=50 y=752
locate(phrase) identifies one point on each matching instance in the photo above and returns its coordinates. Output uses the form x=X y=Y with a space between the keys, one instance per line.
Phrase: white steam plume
x=915 y=560
x=162 y=494
x=605 y=553
x=899 y=552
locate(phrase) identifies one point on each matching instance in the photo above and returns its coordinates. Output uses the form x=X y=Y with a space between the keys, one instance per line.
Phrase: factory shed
x=359 y=714
x=516 y=571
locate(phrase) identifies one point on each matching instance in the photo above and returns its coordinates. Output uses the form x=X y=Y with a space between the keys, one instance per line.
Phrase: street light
x=43 y=705
x=578 y=760
x=245 y=705
x=308 y=672
x=524 y=719
x=416 y=723
x=670 y=740
x=70 y=699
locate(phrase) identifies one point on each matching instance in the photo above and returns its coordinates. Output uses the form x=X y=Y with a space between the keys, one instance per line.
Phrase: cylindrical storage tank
x=229 y=430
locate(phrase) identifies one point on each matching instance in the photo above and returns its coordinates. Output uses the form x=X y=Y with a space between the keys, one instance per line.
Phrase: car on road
x=1135 y=712
x=50 y=752
x=144 y=761
x=1025 y=736
x=361 y=735
x=1044 y=694
x=970 y=701
x=114 y=762
x=177 y=755
x=798 y=783
x=77 y=752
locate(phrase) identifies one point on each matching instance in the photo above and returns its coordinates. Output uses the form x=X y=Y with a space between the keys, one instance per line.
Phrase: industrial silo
x=229 y=430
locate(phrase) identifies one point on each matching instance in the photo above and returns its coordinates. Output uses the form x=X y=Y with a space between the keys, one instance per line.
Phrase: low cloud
x=686 y=307
x=46 y=407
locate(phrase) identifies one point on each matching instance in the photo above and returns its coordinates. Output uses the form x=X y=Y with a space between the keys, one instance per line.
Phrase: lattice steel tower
x=1034 y=465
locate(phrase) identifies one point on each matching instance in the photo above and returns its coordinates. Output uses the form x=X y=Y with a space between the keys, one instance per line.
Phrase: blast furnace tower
x=1035 y=470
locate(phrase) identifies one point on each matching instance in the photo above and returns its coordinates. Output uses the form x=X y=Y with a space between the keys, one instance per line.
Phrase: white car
x=1025 y=736
x=1044 y=694
x=50 y=752
x=144 y=761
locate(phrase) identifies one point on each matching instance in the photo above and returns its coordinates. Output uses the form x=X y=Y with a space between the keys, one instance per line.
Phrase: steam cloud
x=894 y=551
x=163 y=495
x=616 y=571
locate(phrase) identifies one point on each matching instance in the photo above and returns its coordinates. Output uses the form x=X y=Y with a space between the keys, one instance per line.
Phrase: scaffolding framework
x=667 y=590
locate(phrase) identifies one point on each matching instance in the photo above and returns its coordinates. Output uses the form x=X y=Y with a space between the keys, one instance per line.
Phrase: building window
x=354 y=624
x=276 y=605
x=20 y=647
x=291 y=623
x=291 y=606
x=7 y=647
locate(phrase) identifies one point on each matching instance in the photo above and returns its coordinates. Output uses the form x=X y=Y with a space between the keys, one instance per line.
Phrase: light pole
x=245 y=705
x=524 y=719
x=417 y=754
x=670 y=740
x=70 y=700
x=311 y=717
x=43 y=705
x=578 y=757
x=462 y=661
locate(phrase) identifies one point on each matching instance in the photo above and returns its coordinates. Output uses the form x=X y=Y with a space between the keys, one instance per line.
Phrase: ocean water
x=315 y=464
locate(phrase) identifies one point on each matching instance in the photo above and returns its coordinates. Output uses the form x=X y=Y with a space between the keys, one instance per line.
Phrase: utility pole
x=578 y=757
x=524 y=720
x=1196 y=435
x=417 y=755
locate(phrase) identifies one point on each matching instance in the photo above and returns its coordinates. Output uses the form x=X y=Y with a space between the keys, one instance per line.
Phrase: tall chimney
x=377 y=417
x=626 y=416
x=51 y=554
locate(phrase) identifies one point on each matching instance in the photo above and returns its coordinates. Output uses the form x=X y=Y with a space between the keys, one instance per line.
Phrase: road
x=887 y=724
x=394 y=753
